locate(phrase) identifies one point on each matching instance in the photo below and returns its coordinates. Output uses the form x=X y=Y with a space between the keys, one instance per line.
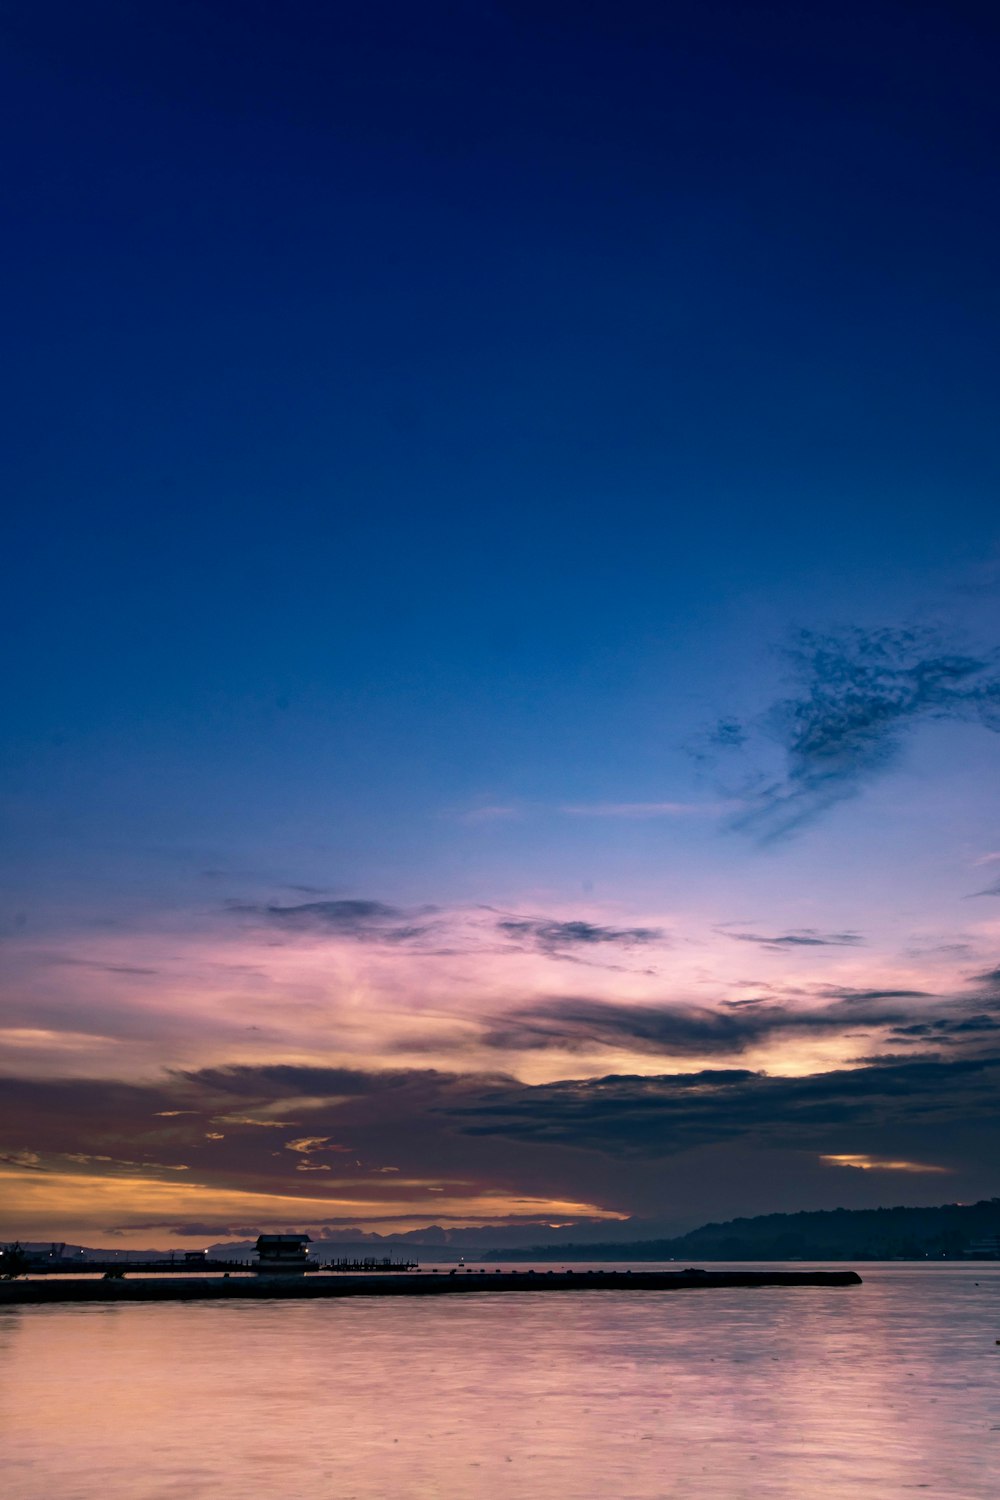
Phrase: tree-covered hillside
x=836 y=1234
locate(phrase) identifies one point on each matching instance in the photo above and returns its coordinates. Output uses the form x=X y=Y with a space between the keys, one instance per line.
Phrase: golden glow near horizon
x=865 y=1163
x=468 y=1002
x=52 y=1201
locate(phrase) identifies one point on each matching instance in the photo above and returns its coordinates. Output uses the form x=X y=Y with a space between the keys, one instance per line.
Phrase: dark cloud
x=202 y=1231
x=945 y=1029
x=887 y=1101
x=990 y=890
x=372 y=921
x=402 y=1143
x=551 y=935
x=584 y=1025
x=66 y=961
x=804 y=937
x=832 y=992
x=287 y=1080
x=342 y=916
x=614 y=1141
x=680 y=1030
x=857 y=695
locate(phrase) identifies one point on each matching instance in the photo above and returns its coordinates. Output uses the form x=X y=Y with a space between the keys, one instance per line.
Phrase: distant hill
x=829 y=1234
x=951 y=1230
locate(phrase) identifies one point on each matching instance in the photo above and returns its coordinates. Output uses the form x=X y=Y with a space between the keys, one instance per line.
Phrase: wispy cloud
x=550 y=935
x=307 y=1145
x=803 y=937
x=857 y=694
x=490 y=812
x=505 y=812
x=67 y=961
x=642 y=809
x=371 y=921
x=26 y=1161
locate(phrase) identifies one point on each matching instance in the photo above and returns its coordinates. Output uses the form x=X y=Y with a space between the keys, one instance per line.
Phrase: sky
x=500 y=591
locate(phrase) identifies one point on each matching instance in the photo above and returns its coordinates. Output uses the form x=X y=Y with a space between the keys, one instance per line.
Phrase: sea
x=889 y=1389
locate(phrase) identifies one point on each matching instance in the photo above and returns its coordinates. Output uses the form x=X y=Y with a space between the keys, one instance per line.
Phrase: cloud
x=27 y=1161
x=944 y=1028
x=925 y=1099
x=804 y=937
x=990 y=890
x=725 y=734
x=476 y=1147
x=369 y=921
x=202 y=1231
x=339 y=916
x=66 y=961
x=858 y=693
x=862 y=1162
x=305 y=1145
x=835 y=992
x=676 y=1029
x=550 y=935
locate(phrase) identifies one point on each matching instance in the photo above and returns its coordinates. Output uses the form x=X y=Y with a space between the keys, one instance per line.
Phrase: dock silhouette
x=140 y=1288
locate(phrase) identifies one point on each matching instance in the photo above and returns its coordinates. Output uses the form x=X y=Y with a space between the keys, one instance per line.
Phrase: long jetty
x=140 y=1288
x=203 y=1268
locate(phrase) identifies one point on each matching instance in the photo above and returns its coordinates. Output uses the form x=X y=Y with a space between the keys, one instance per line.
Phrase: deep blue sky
x=425 y=422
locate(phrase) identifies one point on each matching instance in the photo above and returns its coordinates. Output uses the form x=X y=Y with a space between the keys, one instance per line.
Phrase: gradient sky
x=500 y=590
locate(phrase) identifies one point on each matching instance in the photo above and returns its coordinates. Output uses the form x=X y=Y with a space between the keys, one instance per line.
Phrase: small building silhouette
x=282 y=1254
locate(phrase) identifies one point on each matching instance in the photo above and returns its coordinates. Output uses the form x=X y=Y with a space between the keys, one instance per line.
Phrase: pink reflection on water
x=882 y=1391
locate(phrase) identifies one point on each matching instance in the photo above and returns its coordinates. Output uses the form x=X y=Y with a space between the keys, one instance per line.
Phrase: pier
x=421 y=1284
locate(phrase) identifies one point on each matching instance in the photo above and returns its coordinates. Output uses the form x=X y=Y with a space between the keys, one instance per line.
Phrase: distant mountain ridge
x=825 y=1234
x=951 y=1230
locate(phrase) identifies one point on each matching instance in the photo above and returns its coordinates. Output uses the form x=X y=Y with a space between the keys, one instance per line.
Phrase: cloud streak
x=639 y=810
x=585 y=1025
x=863 y=1162
x=804 y=937
x=367 y=921
x=550 y=935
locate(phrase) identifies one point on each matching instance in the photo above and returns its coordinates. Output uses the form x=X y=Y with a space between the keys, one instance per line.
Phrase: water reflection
x=881 y=1391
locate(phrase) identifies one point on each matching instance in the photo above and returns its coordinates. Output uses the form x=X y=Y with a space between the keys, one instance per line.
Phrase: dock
x=50 y=1289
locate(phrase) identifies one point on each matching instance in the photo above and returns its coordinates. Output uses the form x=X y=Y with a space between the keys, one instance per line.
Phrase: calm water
x=890 y=1389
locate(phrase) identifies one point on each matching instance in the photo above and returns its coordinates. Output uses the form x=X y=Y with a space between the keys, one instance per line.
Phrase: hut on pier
x=282 y=1254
